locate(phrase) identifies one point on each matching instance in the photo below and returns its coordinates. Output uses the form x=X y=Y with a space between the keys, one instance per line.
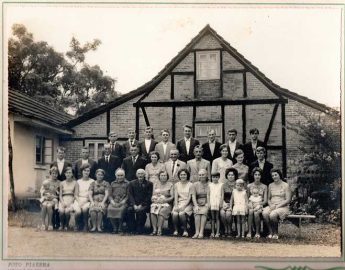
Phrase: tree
x=63 y=81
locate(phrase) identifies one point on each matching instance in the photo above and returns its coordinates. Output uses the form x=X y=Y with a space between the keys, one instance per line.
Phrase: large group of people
x=148 y=182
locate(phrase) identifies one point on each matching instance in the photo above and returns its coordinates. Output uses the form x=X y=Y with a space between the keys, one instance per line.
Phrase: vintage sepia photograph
x=172 y=135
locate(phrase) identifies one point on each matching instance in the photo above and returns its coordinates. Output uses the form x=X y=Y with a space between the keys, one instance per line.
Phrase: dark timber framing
x=108 y=121
x=173 y=124
x=137 y=123
x=284 y=139
x=194 y=116
x=269 y=129
x=221 y=72
x=195 y=86
x=172 y=90
x=223 y=122
x=244 y=124
x=147 y=122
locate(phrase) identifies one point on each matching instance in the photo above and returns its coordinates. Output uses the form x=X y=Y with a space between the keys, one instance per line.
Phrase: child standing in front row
x=239 y=201
x=216 y=202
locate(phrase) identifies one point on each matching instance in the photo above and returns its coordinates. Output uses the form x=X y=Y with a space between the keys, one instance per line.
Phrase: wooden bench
x=299 y=218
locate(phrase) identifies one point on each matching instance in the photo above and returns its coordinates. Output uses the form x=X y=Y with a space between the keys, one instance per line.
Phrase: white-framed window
x=96 y=148
x=208 y=65
x=44 y=150
x=202 y=129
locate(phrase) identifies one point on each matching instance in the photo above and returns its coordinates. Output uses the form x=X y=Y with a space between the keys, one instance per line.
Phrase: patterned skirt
x=97 y=206
x=116 y=212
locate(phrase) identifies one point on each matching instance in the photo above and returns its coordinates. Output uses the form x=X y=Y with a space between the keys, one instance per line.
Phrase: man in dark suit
x=147 y=145
x=264 y=165
x=131 y=141
x=233 y=145
x=132 y=163
x=211 y=148
x=187 y=144
x=85 y=153
x=61 y=163
x=249 y=148
x=139 y=201
x=109 y=163
x=115 y=146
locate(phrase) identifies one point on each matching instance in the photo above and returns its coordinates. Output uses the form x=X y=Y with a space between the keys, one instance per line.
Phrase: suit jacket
x=181 y=147
x=173 y=174
x=118 y=151
x=207 y=151
x=109 y=167
x=266 y=177
x=140 y=193
x=249 y=156
x=194 y=169
x=159 y=148
x=142 y=149
x=77 y=172
x=126 y=147
x=231 y=157
x=61 y=176
x=131 y=169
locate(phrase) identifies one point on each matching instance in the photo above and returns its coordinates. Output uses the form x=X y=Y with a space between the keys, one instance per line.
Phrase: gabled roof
x=25 y=105
x=147 y=87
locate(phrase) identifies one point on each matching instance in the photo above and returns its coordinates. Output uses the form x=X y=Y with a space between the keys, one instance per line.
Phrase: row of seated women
x=89 y=202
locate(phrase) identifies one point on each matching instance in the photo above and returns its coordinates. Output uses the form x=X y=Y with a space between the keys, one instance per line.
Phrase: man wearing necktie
x=187 y=144
x=109 y=163
x=211 y=148
x=173 y=165
x=233 y=144
x=132 y=163
x=164 y=146
x=249 y=149
x=198 y=163
x=116 y=148
x=130 y=142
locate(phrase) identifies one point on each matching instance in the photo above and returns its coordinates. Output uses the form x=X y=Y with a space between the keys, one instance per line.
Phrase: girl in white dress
x=216 y=202
x=239 y=200
x=222 y=163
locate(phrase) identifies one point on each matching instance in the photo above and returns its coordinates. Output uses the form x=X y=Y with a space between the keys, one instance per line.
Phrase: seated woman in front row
x=279 y=197
x=118 y=198
x=98 y=196
x=183 y=208
x=162 y=196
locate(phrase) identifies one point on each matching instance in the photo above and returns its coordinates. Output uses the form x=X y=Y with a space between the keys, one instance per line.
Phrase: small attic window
x=208 y=65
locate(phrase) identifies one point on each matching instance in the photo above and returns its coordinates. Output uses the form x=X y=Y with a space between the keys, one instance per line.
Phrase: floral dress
x=200 y=190
x=152 y=172
x=161 y=191
x=98 y=194
x=118 y=192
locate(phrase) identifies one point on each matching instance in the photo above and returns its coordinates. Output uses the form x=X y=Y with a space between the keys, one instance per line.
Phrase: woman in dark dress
x=118 y=196
x=98 y=195
x=231 y=176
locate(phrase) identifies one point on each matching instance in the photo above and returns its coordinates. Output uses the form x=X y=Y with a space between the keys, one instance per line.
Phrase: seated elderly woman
x=152 y=169
x=68 y=193
x=162 y=196
x=183 y=207
x=98 y=195
x=82 y=201
x=279 y=197
x=201 y=202
x=139 y=194
x=118 y=197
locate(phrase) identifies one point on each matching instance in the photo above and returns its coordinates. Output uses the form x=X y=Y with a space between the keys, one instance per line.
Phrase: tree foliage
x=64 y=81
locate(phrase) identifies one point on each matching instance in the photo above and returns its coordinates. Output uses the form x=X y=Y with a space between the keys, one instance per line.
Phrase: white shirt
x=134 y=159
x=187 y=141
x=212 y=146
x=131 y=142
x=254 y=147
x=84 y=161
x=107 y=158
x=261 y=164
x=165 y=147
x=232 y=146
x=60 y=165
x=147 y=145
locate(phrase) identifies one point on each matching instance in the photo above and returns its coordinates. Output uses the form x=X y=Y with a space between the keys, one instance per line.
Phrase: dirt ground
x=27 y=242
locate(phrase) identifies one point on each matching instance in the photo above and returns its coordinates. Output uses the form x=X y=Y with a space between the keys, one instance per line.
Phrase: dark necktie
x=173 y=167
x=133 y=160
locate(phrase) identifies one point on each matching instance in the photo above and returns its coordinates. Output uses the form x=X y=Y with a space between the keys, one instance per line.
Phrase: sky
x=297 y=47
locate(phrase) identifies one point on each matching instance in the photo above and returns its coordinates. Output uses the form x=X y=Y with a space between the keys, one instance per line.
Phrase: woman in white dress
x=222 y=163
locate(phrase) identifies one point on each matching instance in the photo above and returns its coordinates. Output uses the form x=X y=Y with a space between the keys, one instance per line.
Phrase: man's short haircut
x=174 y=149
x=211 y=130
x=232 y=131
x=107 y=145
x=198 y=147
x=187 y=126
x=261 y=149
x=254 y=130
x=85 y=148
x=149 y=128
x=112 y=133
x=140 y=170
x=130 y=129
x=165 y=130
x=215 y=174
x=60 y=148
x=135 y=145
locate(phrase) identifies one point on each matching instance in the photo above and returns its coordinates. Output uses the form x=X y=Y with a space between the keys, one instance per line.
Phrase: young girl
x=216 y=202
x=239 y=201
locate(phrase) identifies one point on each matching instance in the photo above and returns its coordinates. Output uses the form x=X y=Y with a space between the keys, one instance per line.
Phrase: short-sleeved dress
x=240 y=207
x=278 y=195
x=67 y=190
x=200 y=190
x=215 y=195
x=228 y=187
x=152 y=172
x=163 y=191
x=118 y=192
x=183 y=195
x=98 y=193
x=83 y=195
x=220 y=165
x=262 y=188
